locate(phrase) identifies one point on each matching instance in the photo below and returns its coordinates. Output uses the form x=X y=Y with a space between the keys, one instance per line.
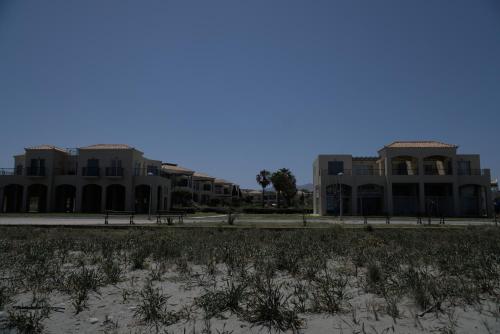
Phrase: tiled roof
x=420 y=144
x=47 y=147
x=107 y=147
x=202 y=175
x=222 y=181
x=174 y=168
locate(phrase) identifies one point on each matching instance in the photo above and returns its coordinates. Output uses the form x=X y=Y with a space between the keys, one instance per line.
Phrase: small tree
x=263 y=179
x=285 y=184
x=181 y=198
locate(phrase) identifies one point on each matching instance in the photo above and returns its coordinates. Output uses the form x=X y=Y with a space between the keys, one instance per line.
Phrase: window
x=335 y=167
x=152 y=170
x=464 y=168
x=92 y=168
x=37 y=167
x=92 y=163
x=115 y=163
x=207 y=187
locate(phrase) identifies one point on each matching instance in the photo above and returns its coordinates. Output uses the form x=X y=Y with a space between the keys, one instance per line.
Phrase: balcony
x=8 y=171
x=473 y=172
x=429 y=170
x=405 y=171
x=336 y=173
x=146 y=172
x=369 y=172
x=35 y=171
x=91 y=171
x=65 y=171
x=115 y=172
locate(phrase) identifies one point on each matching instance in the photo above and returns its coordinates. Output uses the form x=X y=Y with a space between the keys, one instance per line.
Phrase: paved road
x=244 y=220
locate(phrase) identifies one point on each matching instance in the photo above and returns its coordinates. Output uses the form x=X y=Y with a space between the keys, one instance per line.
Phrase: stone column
x=24 y=204
x=129 y=198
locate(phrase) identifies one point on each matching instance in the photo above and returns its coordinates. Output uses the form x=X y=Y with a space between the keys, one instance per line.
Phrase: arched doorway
x=91 y=198
x=115 y=197
x=472 y=200
x=371 y=200
x=405 y=197
x=142 y=194
x=65 y=198
x=12 y=198
x=37 y=198
x=333 y=194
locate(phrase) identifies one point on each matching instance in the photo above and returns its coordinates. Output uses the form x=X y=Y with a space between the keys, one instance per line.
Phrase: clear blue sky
x=231 y=87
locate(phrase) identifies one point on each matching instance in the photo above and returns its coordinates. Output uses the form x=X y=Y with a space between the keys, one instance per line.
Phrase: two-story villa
x=88 y=179
x=406 y=178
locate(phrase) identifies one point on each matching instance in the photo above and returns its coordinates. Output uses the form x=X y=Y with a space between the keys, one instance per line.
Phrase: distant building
x=102 y=177
x=255 y=197
x=406 y=178
x=88 y=179
x=204 y=189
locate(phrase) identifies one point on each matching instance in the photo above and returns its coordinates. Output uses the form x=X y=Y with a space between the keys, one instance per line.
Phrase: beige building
x=406 y=178
x=88 y=179
x=225 y=191
x=203 y=188
x=181 y=177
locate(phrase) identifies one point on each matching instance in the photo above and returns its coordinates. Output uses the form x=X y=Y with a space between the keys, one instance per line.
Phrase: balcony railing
x=437 y=171
x=331 y=173
x=405 y=171
x=9 y=171
x=472 y=172
x=91 y=171
x=114 y=171
x=146 y=172
x=369 y=172
x=35 y=171
x=65 y=171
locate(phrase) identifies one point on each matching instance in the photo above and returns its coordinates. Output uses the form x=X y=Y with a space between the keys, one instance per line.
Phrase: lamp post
x=339 y=179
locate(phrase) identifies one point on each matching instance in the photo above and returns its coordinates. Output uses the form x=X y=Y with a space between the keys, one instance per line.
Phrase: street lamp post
x=339 y=179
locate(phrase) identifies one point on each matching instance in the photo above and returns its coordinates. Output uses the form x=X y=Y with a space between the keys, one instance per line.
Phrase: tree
x=181 y=198
x=263 y=179
x=284 y=183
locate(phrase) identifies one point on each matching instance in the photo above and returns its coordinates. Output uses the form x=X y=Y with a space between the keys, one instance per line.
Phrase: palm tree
x=284 y=183
x=263 y=179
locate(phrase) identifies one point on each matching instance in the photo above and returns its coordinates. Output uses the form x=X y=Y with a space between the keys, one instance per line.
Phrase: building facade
x=407 y=178
x=89 y=179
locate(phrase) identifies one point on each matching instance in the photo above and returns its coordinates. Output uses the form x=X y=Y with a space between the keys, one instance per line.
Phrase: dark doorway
x=12 y=198
x=142 y=194
x=65 y=198
x=371 y=200
x=91 y=198
x=115 y=197
x=37 y=198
